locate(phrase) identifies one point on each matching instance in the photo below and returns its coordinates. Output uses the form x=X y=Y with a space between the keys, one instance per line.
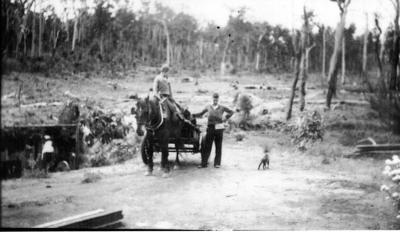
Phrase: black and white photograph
x=200 y=115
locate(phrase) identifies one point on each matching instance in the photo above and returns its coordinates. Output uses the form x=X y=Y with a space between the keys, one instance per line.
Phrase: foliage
x=35 y=173
x=123 y=38
x=99 y=160
x=392 y=171
x=309 y=128
x=387 y=103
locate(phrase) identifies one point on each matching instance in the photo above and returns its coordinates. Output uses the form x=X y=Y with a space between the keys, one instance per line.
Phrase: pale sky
x=283 y=12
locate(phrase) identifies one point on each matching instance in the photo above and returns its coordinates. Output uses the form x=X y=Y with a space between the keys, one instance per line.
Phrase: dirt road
x=297 y=192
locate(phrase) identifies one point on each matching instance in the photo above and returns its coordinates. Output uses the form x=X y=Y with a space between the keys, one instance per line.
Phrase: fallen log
x=340 y=102
x=42 y=104
x=97 y=219
x=375 y=149
x=380 y=147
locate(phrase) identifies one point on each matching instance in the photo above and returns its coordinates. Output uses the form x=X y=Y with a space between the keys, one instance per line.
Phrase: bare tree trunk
x=343 y=61
x=297 y=65
x=25 y=45
x=33 y=35
x=75 y=35
x=41 y=29
x=102 y=46
x=168 y=42
x=224 y=54
x=307 y=61
x=201 y=52
x=246 y=58
x=55 y=40
x=334 y=64
x=394 y=83
x=67 y=29
x=378 y=47
x=239 y=58
x=365 y=46
x=22 y=33
x=324 y=53
x=304 y=76
x=258 y=51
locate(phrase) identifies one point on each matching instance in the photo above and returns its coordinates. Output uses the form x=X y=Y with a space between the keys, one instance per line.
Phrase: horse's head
x=147 y=114
x=142 y=114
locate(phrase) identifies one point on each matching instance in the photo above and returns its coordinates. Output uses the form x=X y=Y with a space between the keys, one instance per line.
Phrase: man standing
x=47 y=156
x=215 y=130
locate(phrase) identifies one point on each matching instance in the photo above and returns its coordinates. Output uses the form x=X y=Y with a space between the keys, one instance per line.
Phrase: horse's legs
x=150 y=163
x=177 y=162
x=164 y=158
x=177 y=157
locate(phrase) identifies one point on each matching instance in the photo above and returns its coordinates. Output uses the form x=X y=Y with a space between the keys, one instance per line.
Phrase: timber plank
x=93 y=219
x=380 y=147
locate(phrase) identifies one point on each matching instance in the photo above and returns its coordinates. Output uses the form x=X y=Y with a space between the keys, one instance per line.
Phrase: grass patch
x=328 y=151
x=350 y=138
x=35 y=173
x=91 y=177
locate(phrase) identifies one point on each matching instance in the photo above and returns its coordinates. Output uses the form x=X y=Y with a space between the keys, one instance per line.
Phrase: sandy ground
x=298 y=192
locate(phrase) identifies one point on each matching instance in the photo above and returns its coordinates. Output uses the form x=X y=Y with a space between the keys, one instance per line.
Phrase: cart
x=192 y=141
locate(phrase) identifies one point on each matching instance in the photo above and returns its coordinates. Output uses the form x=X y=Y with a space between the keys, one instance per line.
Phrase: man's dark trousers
x=215 y=136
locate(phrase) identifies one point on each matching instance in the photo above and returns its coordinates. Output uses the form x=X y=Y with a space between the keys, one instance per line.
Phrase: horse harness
x=153 y=128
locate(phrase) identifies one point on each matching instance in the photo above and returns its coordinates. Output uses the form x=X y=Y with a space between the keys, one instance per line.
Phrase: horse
x=158 y=129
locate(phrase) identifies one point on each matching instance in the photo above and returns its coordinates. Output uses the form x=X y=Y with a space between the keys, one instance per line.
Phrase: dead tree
x=394 y=83
x=301 y=51
x=304 y=76
x=306 y=48
x=260 y=38
x=168 y=52
x=55 y=32
x=334 y=64
x=297 y=60
x=22 y=27
x=75 y=33
x=201 y=47
x=225 y=54
x=324 y=52
x=33 y=33
x=41 y=30
x=344 y=60
x=377 y=33
x=365 y=46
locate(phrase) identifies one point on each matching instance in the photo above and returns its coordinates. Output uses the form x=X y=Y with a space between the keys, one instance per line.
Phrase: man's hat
x=215 y=95
x=47 y=137
x=164 y=68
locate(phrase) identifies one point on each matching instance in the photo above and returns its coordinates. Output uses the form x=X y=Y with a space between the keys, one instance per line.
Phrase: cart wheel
x=144 y=149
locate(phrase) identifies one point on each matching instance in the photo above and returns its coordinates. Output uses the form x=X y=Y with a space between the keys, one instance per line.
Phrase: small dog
x=265 y=160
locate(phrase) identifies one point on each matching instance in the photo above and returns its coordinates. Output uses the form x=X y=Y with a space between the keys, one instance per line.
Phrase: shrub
x=100 y=160
x=387 y=103
x=392 y=171
x=351 y=137
x=35 y=173
x=239 y=136
x=309 y=128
